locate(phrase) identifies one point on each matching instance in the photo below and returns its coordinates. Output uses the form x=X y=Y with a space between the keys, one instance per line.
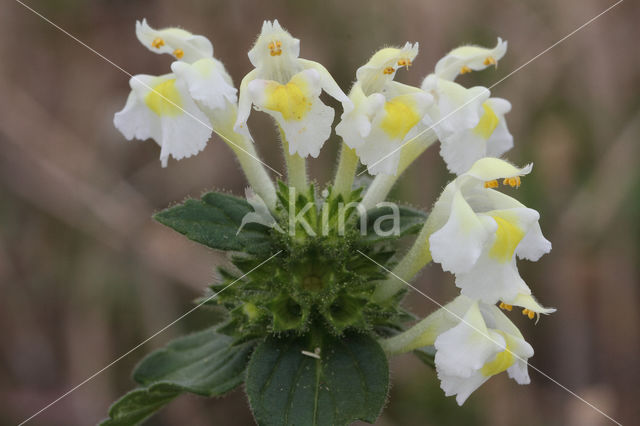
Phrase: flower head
x=469 y=124
x=162 y=109
x=288 y=88
x=477 y=232
x=176 y=109
x=177 y=42
x=385 y=113
x=465 y=59
x=474 y=342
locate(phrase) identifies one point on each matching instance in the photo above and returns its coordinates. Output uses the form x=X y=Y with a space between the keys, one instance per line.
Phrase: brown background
x=85 y=274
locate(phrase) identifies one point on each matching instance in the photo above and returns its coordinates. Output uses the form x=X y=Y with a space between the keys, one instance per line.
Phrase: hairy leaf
x=204 y=363
x=349 y=382
x=215 y=220
x=409 y=221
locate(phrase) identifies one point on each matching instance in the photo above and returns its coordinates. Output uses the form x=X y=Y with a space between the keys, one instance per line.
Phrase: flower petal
x=162 y=109
x=459 y=243
x=208 y=82
x=466 y=58
x=297 y=108
x=177 y=42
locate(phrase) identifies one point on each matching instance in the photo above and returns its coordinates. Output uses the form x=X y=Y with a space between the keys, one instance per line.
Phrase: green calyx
x=319 y=281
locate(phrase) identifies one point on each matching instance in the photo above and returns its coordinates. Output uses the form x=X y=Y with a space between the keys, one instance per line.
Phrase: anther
x=405 y=63
x=157 y=43
x=513 y=182
x=275 y=48
x=389 y=70
x=178 y=53
x=491 y=184
x=465 y=69
x=528 y=313
x=490 y=60
x=505 y=306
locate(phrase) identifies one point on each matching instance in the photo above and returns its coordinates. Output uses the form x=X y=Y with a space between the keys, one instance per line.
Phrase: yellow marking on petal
x=488 y=122
x=490 y=60
x=388 y=70
x=157 y=43
x=401 y=116
x=491 y=184
x=178 y=53
x=164 y=99
x=528 y=313
x=513 y=182
x=290 y=99
x=508 y=236
x=500 y=363
x=465 y=70
x=505 y=306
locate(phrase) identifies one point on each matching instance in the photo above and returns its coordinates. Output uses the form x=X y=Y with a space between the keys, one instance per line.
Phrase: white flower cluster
x=474 y=231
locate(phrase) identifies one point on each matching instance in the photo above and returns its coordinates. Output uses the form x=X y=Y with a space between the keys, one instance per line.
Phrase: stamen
x=178 y=53
x=405 y=63
x=528 y=313
x=389 y=70
x=505 y=306
x=513 y=182
x=465 y=69
x=275 y=48
x=490 y=60
x=157 y=43
x=491 y=184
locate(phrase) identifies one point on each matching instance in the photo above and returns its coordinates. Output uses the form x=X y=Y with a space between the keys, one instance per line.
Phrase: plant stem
x=296 y=167
x=416 y=258
x=382 y=184
x=422 y=334
x=248 y=158
x=346 y=171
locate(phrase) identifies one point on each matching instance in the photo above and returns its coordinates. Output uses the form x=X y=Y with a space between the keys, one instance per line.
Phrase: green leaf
x=410 y=222
x=139 y=404
x=349 y=382
x=205 y=363
x=214 y=221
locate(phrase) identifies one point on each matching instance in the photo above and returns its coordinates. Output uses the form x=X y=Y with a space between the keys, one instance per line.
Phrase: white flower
x=385 y=112
x=176 y=110
x=177 y=42
x=477 y=232
x=288 y=88
x=465 y=59
x=474 y=342
x=162 y=109
x=209 y=83
x=469 y=124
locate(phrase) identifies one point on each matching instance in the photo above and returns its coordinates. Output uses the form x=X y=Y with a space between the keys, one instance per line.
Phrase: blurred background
x=85 y=274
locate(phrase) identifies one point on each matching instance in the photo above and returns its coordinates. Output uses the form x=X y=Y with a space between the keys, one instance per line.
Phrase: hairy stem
x=416 y=258
x=296 y=167
x=248 y=158
x=346 y=171
x=382 y=184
